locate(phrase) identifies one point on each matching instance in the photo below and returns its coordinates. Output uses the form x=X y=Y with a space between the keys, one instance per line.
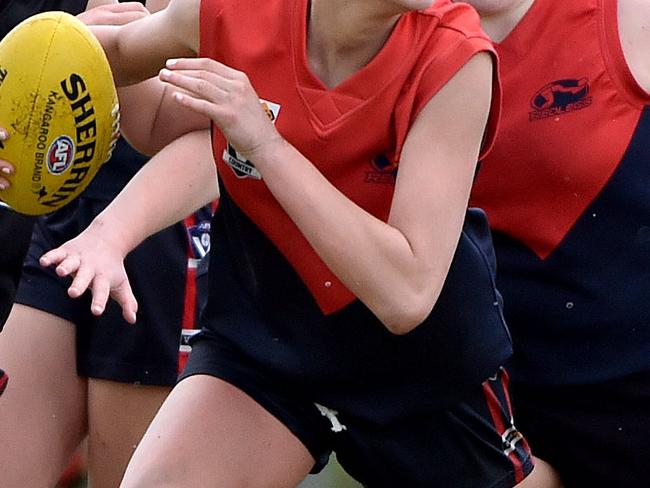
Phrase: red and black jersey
x=271 y=296
x=353 y=133
x=565 y=189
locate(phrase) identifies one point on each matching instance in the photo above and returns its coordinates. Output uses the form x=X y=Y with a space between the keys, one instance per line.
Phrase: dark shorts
x=472 y=444
x=107 y=346
x=15 y=233
x=594 y=435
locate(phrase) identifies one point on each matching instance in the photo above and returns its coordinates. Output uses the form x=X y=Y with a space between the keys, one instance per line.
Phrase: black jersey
x=12 y=12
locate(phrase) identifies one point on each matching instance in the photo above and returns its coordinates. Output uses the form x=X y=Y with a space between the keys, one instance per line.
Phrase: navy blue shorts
x=471 y=444
x=594 y=435
x=15 y=232
x=107 y=346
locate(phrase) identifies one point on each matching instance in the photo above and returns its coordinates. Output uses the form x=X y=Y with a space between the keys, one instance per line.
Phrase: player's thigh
x=43 y=410
x=210 y=433
x=542 y=476
x=118 y=416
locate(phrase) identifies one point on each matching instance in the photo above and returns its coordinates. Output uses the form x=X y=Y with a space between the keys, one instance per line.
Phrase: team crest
x=240 y=165
x=560 y=97
x=384 y=170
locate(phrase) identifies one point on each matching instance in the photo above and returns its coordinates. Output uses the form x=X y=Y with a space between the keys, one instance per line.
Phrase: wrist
x=267 y=153
x=112 y=233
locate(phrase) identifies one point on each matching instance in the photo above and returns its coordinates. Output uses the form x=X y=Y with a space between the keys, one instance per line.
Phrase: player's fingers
x=81 y=281
x=200 y=83
x=127 y=6
x=203 y=64
x=114 y=14
x=6 y=168
x=4 y=134
x=125 y=298
x=100 y=288
x=55 y=256
x=69 y=265
x=200 y=106
x=121 y=18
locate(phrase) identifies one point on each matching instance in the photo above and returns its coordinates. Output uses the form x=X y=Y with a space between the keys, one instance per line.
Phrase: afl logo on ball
x=60 y=155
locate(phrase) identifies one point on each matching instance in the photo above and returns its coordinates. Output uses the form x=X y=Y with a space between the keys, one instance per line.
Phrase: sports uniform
x=570 y=224
x=280 y=326
x=107 y=346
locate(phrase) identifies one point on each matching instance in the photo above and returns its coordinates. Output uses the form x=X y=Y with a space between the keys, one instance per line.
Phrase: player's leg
x=132 y=368
x=542 y=476
x=210 y=433
x=43 y=410
x=118 y=415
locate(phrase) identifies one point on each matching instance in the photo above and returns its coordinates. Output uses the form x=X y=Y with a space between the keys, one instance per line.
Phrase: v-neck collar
x=324 y=102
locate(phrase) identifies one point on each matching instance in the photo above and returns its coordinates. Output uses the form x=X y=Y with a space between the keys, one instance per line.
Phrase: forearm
x=374 y=259
x=174 y=183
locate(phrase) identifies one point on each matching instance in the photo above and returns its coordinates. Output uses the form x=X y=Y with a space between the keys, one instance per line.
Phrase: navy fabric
x=108 y=347
x=260 y=305
x=596 y=436
x=574 y=313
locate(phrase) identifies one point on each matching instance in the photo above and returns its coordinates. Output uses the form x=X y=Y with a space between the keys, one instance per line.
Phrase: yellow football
x=59 y=103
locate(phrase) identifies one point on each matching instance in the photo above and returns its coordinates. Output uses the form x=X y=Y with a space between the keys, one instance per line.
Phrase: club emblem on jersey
x=384 y=170
x=240 y=165
x=560 y=97
x=199 y=237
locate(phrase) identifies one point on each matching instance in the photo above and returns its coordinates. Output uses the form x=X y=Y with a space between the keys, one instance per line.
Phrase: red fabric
x=341 y=130
x=4 y=380
x=549 y=163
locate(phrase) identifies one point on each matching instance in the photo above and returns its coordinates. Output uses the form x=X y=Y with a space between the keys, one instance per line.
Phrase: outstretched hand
x=227 y=97
x=97 y=264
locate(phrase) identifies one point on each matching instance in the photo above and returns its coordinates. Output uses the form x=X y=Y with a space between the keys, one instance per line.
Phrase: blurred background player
x=328 y=325
x=73 y=374
x=566 y=192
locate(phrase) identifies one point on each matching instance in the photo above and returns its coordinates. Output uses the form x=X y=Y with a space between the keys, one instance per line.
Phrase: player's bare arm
x=634 y=31
x=389 y=266
x=137 y=51
x=95 y=258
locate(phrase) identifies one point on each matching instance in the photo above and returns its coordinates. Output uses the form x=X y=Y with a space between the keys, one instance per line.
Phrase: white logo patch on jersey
x=240 y=165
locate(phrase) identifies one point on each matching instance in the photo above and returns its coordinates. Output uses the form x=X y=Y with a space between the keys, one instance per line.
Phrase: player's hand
x=6 y=168
x=227 y=97
x=96 y=263
x=114 y=14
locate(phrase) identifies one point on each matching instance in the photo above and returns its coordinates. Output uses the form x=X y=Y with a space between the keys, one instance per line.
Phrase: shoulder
x=457 y=17
x=634 y=32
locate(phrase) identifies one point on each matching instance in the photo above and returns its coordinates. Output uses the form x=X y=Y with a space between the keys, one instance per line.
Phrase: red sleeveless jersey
x=570 y=106
x=353 y=133
x=565 y=189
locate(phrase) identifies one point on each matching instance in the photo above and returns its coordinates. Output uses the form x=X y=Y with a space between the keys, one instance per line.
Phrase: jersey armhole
x=614 y=57
x=209 y=19
x=439 y=71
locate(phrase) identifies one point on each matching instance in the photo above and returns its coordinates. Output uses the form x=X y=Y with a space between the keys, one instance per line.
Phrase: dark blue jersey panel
x=574 y=313
x=261 y=307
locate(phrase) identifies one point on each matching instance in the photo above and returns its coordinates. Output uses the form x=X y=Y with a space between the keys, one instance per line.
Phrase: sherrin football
x=59 y=103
